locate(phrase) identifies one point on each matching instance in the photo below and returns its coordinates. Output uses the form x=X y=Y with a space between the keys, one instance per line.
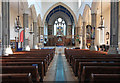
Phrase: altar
x=60 y=41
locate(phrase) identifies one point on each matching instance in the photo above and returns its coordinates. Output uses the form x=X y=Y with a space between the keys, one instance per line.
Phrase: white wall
x=13 y=16
x=106 y=16
x=46 y=5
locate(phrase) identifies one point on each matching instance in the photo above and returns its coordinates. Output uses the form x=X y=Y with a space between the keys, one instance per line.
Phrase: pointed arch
x=62 y=4
x=85 y=13
x=39 y=20
x=34 y=13
x=79 y=20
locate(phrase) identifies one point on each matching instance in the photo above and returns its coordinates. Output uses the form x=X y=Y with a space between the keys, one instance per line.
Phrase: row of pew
x=26 y=66
x=94 y=66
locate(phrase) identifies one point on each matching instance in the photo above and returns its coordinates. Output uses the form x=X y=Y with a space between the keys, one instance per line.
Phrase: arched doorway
x=59 y=27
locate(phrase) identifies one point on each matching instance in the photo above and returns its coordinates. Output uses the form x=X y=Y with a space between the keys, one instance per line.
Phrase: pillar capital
x=84 y=22
x=93 y=13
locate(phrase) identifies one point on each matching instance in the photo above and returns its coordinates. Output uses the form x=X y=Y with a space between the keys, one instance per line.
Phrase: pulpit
x=60 y=41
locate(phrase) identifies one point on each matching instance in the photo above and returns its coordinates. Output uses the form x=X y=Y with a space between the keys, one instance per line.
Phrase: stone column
x=0 y=36
x=5 y=25
x=35 y=34
x=69 y=30
x=84 y=36
x=42 y=33
x=114 y=27
x=25 y=25
x=39 y=34
x=76 y=33
x=0 y=28
x=42 y=30
x=93 y=24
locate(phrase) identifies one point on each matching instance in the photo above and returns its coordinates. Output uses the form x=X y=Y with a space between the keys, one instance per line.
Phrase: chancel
x=59 y=41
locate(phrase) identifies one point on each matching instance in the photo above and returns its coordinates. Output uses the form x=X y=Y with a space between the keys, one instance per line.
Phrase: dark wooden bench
x=89 y=55
x=83 y=56
x=45 y=59
x=44 y=52
x=105 y=78
x=92 y=57
x=32 y=55
x=16 y=78
x=28 y=60
x=39 y=64
x=22 y=69
x=88 y=70
x=82 y=64
x=76 y=64
x=75 y=52
x=42 y=58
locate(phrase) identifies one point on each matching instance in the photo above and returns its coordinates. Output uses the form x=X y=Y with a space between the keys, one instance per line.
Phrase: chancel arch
x=60 y=11
x=64 y=5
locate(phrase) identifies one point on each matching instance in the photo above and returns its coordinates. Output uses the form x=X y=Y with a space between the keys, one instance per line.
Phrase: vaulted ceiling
x=59 y=9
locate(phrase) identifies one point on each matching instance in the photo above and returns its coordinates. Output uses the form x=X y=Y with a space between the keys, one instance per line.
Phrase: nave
x=59 y=41
x=60 y=70
x=72 y=65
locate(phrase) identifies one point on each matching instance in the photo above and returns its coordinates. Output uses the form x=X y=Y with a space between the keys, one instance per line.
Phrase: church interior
x=59 y=41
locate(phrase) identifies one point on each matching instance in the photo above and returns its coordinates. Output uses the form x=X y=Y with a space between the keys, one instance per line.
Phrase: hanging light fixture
x=101 y=16
x=17 y=22
x=31 y=26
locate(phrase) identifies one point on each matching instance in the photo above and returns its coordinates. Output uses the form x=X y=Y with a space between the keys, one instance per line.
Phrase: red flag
x=21 y=36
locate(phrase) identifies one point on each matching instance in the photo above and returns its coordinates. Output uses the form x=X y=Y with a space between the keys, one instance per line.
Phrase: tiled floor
x=60 y=70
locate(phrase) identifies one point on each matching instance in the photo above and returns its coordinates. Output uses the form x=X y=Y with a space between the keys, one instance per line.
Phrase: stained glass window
x=60 y=27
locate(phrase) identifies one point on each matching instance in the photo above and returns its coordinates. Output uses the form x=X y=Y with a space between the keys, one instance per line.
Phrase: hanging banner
x=93 y=33
x=21 y=36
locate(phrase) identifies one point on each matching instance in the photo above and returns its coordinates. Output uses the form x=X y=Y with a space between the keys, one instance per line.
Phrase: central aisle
x=60 y=75
x=59 y=69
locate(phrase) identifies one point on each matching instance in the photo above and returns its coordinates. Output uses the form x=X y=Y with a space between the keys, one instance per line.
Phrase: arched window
x=60 y=27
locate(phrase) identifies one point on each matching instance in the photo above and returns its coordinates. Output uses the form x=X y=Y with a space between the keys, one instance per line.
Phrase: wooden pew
x=82 y=56
x=32 y=55
x=82 y=64
x=39 y=64
x=88 y=70
x=92 y=57
x=75 y=52
x=90 y=54
x=50 y=52
x=76 y=64
x=105 y=78
x=41 y=58
x=16 y=78
x=74 y=56
x=22 y=69
x=45 y=64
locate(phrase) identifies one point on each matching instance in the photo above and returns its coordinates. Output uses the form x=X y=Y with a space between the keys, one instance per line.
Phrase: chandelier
x=101 y=16
x=17 y=22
